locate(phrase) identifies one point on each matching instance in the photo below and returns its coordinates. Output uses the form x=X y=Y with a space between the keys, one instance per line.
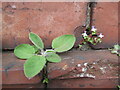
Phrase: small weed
x=115 y=49
x=91 y=36
x=37 y=57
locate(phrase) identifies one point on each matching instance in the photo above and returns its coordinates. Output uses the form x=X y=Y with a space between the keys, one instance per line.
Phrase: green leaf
x=98 y=40
x=93 y=33
x=84 y=42
x=80 y=46
x=117 y=47
x=52 y=57
x=91 y=41
x=63 y=43
x=36 y=49
x=24 y=51
x=46 y=80
x=34 y=65
x=89 y=38
x=85 y=37
x=36 y=40
x=114 y=51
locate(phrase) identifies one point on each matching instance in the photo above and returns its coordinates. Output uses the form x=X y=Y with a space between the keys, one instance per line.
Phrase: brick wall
x=105 y=18
x=50 y=20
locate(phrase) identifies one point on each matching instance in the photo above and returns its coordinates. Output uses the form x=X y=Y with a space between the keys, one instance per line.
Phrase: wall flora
x=48 y=20
x=105 y=18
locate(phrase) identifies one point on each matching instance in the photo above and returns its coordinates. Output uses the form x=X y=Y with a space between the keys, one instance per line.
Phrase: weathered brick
x=105 y=18
x=47 y=19
x=23 y=86
x=84 y=83
x=0 y=24
x=119 y=22
x=12 y=71
x=100 y=64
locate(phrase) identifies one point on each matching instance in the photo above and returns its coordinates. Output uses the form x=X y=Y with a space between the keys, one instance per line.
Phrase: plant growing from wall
x=91 y=36
x=37 y=57
x=115 y=49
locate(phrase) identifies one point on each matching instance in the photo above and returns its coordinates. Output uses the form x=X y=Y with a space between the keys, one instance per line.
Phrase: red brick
x=119 y=21
x=0 y=4
x=83 y=83
x=105 y=18
x=46 y=19
x=101 y=64
x=24 y=86
x=12 y=71
x=0 y=23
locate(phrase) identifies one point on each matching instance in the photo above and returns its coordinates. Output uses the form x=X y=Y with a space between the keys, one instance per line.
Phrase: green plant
x=115 y=49
x=118 y=87
x=45 y=80
x=91 y=36
x=37 y=57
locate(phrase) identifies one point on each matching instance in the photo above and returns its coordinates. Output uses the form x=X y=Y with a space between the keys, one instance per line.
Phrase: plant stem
x=45 y=75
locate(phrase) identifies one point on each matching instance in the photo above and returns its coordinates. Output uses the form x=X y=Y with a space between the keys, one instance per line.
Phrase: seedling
x=115 y=49
x=37 y=57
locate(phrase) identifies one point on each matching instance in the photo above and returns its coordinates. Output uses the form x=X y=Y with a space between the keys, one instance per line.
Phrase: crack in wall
x=88 y=16
x=89 y=13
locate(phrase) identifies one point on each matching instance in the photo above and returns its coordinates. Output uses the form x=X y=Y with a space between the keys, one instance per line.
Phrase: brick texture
x=78 y=69
x=105 y=18
x=84 y=83
x=23 y=86
x=84 y=69
x=118 y=21
x=12 y=71
x=48 y=20
x=101 y=64
x=75 y=66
